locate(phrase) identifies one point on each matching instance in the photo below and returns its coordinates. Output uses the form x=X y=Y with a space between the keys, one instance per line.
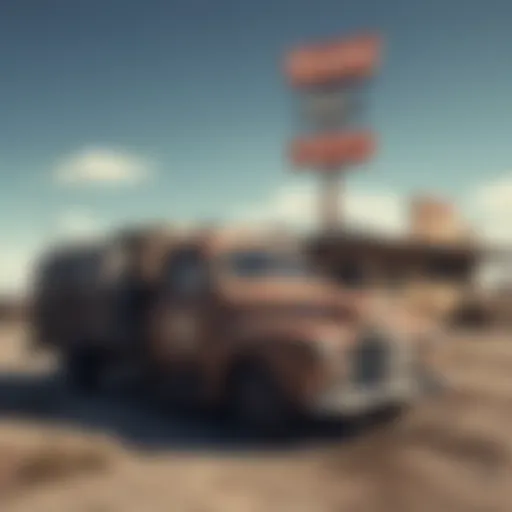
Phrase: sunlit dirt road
x=452 y=453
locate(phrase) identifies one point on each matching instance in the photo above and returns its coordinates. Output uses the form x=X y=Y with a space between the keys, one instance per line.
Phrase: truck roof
x=218 y=240
x=147 y=246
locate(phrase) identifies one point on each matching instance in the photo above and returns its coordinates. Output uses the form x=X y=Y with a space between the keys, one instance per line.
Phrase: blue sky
x=182 y=104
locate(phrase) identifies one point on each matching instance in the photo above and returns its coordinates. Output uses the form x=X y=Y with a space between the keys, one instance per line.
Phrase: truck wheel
x=388 y=415
x=84 y=369
x=257 y=403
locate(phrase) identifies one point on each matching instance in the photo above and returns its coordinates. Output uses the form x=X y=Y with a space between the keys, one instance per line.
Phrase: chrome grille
x=372 y=358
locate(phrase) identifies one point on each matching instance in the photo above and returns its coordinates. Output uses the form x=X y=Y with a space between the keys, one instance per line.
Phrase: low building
x=434 y=264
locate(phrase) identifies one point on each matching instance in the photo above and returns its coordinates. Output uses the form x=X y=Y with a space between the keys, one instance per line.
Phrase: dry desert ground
x=63 y=453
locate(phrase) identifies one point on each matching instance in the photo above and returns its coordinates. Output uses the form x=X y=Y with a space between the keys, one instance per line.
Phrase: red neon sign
x=332 y=151
x=311 y=65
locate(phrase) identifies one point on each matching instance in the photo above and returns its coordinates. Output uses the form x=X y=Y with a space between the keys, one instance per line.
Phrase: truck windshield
x=258 y=263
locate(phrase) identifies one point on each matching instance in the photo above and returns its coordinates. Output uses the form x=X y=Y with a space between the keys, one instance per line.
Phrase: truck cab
x=244 y=323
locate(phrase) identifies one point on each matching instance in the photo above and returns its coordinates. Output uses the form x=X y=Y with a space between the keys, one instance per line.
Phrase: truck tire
x=85 y=369
x=388 y=415
x=257 y=403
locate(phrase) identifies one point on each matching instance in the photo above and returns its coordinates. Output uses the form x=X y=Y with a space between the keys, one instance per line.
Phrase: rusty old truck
x=232 y=320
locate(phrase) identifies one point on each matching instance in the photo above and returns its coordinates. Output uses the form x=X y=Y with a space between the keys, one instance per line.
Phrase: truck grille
x=371 y=360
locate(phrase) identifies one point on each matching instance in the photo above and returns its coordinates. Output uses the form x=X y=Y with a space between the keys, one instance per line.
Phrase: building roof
x=400 y=244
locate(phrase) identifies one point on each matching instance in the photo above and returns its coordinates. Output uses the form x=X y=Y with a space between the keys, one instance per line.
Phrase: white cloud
x=490 y=208
x=292 y=205
x=297 y=206
x=495 y=197
x=381 y=211
x=490 y=205
x=102 y=166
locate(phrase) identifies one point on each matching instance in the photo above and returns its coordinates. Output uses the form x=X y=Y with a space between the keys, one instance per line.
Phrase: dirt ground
x=65 y=453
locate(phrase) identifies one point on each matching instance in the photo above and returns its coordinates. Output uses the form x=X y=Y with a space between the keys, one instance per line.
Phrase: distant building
x=434 y=264
x=436 y=221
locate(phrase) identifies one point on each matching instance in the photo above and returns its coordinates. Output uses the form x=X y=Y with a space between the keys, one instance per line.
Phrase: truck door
x=178 y=343
x=182 y=310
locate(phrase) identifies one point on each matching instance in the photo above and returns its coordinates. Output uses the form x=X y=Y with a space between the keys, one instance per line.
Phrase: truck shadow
x=135 y=421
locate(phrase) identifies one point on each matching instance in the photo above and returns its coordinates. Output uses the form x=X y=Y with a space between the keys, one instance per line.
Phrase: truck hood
x=320 y=307
x=302 y=296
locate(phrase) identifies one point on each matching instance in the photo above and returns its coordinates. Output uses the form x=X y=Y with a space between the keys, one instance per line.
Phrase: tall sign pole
x=329 y=79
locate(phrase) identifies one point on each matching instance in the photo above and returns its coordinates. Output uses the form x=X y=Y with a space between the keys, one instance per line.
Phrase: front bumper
x=403 y=382
x=357 y=399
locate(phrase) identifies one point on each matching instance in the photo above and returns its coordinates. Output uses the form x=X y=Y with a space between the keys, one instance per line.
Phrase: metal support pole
x=330 y=195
